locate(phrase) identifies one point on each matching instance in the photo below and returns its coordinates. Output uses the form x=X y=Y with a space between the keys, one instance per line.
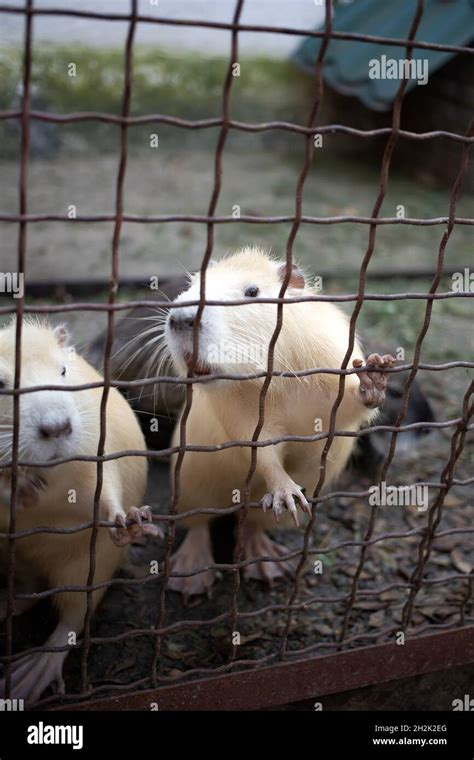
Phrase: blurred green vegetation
x=186 y=85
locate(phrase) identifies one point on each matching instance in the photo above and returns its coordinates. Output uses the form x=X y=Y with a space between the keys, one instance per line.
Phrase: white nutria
x=234 y=340
x=53 y=425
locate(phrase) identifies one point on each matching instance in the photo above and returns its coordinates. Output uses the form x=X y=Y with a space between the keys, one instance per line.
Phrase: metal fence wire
x=322 y=666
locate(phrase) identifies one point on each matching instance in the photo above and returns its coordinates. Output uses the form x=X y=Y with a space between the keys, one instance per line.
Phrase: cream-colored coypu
x=234 y=340
x=53 y=425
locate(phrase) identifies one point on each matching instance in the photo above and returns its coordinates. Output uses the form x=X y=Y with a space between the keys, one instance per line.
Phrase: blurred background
x=180 y=71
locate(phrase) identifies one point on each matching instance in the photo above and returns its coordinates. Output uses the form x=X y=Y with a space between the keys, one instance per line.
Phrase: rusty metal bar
x=406 y=394
x=84 y=286
x=58 y=309
x=22 y=243
x=384 y=174
x=175 y=121
x=114 y=280
x=197 y=321
x=436 y=511
x=308 y=157
x=201 y=219
x=297 y=681
x=165 y=453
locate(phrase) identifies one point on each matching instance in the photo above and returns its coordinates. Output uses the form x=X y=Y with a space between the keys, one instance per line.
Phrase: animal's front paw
x=374 y=384
x=136 y=526
x=288 y=496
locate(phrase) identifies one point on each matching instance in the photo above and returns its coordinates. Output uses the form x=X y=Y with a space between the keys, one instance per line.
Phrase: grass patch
x=188 y=86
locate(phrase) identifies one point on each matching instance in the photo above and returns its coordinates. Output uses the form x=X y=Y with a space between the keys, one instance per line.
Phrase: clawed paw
x=374 y=384
x=137 y=525
x=288 y=497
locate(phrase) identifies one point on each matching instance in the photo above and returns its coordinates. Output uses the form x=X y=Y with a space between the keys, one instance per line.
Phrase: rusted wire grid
x=246 y=664
x=23 y=207
x=386 y=160
x=223 y=511
x=264 y=660
x=367 y=639
x=244 y=218
x=234 y=54
x=387 y=536
x=185 y=625
x=308 y=157
x=196 y=623
x=126 y=384
x=436 y=511
x=24 y=219
x=165 y=453
x=243 y=126
x=321 y=646
x=114 y=281
x=406 y=391
x=124 y=306
x=236 y=27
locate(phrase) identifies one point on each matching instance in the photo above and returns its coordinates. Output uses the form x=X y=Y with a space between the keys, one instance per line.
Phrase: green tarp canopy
x=347 y=62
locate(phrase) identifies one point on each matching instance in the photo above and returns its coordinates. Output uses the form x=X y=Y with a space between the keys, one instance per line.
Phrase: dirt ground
x=178 y=180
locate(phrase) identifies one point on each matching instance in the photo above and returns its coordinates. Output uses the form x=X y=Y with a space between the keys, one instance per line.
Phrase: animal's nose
x=179 y=321
x=55 y=429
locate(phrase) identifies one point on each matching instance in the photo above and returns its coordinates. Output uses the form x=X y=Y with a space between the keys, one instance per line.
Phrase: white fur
x=313 y=335
x=43 y=361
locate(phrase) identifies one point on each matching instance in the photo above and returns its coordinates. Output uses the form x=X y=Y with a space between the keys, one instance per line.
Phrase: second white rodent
x=55 y=425
x=234 y=340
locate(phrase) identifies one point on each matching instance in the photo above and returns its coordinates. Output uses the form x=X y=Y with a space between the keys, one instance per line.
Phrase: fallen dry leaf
x=377 y=619
x=459 y=562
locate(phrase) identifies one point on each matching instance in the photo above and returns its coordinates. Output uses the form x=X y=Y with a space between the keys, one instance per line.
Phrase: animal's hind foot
x=31 y=675
x=374 y=384
x=193 y=553
x=258 y=544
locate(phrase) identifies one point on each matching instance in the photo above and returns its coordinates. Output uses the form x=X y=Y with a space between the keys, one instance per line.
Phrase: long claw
x=140 y=524
x=288 y=497
x=294 y=515
x=277 y=508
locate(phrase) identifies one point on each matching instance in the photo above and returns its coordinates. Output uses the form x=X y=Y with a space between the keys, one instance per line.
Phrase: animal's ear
x=296 y=278
x=61 y=334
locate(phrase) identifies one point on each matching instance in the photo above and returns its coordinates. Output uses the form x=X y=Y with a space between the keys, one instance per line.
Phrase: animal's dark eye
x=63 y=372
x=252 y=292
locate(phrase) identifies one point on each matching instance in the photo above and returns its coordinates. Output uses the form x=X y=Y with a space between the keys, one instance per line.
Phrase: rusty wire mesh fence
x=344 y=638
